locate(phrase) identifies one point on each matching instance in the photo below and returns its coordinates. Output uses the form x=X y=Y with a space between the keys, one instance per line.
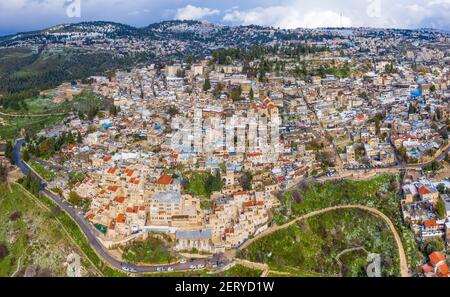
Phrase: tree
x=325 y=160
x=26 y=156
x=3 y=173
x=110 y=74
x=441 y=188
x=207 y=85
x=440 y=209
x=433 y=88
x=75 y=199
x=251 y=94
x=432 y=246
x=236 y=94
x=246 y=181
x=213 y=183
x=180 y=73
x=412 y=109
x=173 y=110
x=113 y=110
x=297 y=196
x=79 y=137
x=3 y=251
x=9 y=152
x=262 y=72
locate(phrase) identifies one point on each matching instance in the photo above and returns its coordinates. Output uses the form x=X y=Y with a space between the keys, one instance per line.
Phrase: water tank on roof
x=416 y=92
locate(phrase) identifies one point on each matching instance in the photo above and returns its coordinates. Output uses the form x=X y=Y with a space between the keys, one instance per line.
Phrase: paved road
x=404 y=271
x=106 y=256
x=440 y=156
x=368 y=171
x=91 y=233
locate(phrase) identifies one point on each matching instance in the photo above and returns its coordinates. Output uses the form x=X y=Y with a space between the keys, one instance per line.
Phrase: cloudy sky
x=26 y=15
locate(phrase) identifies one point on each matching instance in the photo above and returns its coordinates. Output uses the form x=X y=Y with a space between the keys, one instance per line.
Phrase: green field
x=43 y=171
x=52 y=113
x=310 y=247
x=34 y=237
x=381 y=192
x=154 y=250
x=13 y=125
x=240 y=271
x=203 y=184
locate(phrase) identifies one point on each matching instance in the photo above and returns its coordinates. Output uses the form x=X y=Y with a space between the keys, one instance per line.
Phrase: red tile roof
x=430 y=223
x=113 y=188
x=240 y=193
x=436 y=257
x=248 y=204
x=112 y=170
x=119 y=199
x=121 y=218
x=229 y=231
x=129 y=172
x=423 y=190
x=443 y=270
x=164 y=180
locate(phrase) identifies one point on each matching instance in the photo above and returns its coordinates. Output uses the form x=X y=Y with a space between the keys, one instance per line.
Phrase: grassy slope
x=43 y=171
x=77 y=235
x=311 y=247
x=35 y=237
x=33 y=125
x=44 y=105
x=379 y=193
x=152 y=250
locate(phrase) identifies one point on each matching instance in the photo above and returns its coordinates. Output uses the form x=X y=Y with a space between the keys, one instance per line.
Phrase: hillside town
x=201 y=150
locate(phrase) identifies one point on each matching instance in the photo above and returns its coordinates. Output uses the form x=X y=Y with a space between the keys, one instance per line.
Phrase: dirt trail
x=404 y=271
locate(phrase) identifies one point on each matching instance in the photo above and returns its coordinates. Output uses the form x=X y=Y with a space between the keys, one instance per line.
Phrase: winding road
x=113 y=262
x=404 y=271
x=90 y=232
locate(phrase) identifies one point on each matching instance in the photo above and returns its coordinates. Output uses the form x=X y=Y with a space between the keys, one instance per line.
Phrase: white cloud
x=335 y=13
x=25 y=15
x=288 y=17
x=190 y=12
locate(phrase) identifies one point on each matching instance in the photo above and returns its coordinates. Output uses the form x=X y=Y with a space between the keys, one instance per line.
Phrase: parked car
x=126 y=268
